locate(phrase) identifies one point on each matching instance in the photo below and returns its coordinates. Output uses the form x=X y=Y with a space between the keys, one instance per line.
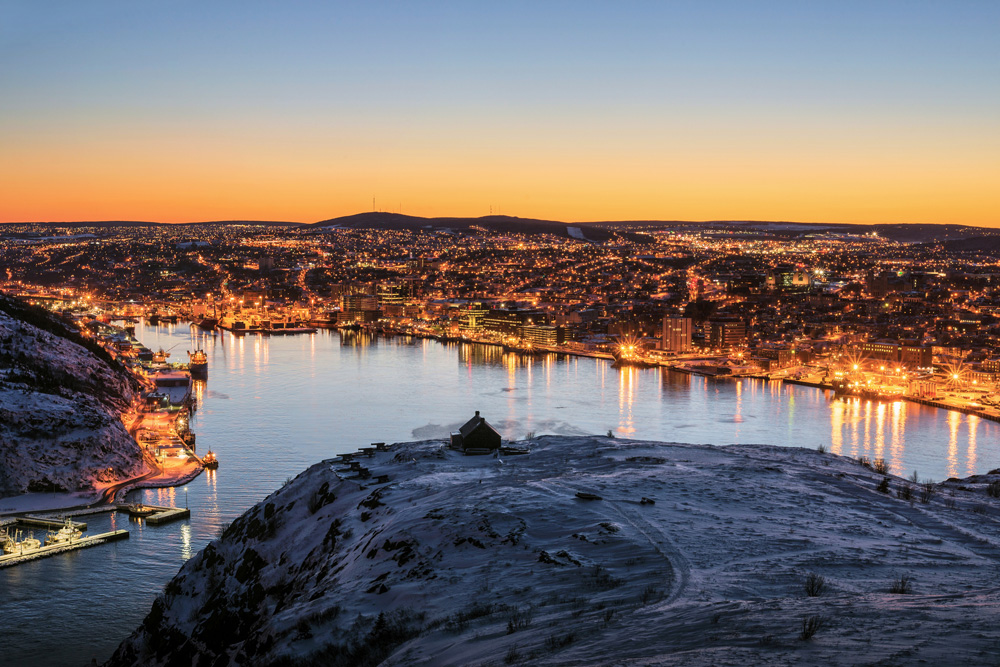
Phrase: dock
x=48 y=524
x=82 y=543
x=160 y=514
x=169 y=514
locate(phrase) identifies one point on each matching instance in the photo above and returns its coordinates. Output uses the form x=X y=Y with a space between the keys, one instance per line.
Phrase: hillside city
x=862 y=312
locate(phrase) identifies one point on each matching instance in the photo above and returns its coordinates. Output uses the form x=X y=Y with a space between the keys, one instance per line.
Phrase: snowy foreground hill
x=60 y=400
x=460 y=560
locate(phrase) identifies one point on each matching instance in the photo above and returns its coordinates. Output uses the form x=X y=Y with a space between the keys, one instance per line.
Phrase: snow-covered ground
x=60 y=424
x=474 y=560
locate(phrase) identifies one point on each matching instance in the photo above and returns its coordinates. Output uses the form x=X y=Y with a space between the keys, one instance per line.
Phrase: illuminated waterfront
x=273 y=406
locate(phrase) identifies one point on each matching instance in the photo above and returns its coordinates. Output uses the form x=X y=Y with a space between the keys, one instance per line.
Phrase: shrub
x=980 y=508
x=611 y=433
x=518 y=620
x=650 y=594
x=865 y=462
x=915 y=478
x=814 y=585
x=821 y=449
x=603 y=580
x=993 y=489
x=927 y=491
x=880 y=466
x=883 y=486
x=810 y=626
x=554 y=643
x=903 y=585
x=904 y=492
x=513 y=655
x=530 y=435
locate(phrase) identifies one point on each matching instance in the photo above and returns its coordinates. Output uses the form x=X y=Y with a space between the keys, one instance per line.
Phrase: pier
x=159 y=515
x=7 y=560
x=48 y=524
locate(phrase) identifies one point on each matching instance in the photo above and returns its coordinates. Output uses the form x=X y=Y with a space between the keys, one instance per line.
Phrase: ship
x=65 y=535
x=160 y=357
x=211 y=461
x=198 y=364
x=208 y=323
x=139 y=510
x=16 y=545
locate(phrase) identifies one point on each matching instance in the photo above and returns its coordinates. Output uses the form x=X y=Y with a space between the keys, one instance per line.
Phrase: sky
x=807 y=110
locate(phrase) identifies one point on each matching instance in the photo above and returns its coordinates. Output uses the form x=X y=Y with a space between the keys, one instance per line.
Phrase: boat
x=153 y=318
x=16 y=545
x=211 y=462
x=140 y=510
x=198 y=364
x=65 y=535
x=160 y=357
x=208 y=323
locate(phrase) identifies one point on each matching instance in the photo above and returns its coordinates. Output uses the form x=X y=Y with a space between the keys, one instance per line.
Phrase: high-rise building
x=676 y=336
x=727 y=333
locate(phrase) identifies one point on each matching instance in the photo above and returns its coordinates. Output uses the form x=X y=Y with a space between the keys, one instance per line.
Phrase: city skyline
x=179 y=113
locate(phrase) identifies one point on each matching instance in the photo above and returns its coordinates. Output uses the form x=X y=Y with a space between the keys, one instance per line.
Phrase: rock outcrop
x=61 y=396
x=588 y=551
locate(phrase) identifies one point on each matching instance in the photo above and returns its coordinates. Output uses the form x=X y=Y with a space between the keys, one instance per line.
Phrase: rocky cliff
x=675 y=554
x=60 y=401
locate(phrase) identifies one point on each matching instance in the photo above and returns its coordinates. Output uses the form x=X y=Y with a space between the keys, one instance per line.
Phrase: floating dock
x=49 y=524
x=82 y=543
x=160 y=515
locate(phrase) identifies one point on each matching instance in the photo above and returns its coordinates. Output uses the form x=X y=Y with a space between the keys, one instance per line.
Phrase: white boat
x=19 y=546
x=68 y=533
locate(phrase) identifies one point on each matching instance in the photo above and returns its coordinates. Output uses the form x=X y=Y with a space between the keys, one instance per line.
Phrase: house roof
x=475 y=423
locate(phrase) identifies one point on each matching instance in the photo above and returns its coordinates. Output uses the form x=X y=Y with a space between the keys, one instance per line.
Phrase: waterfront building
x=509 y=322
x=543 y=334
x=676 y=333
x=726 y=333
x=472 y=318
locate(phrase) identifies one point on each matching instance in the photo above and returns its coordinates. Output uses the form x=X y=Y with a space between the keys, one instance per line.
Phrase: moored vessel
x=198 y=364
x=65 y=535
x=211 y=461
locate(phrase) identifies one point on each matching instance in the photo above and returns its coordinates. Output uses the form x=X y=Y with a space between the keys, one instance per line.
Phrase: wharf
x=161 y=515
x=7 y=560
x=979 y=412
x=48 y=524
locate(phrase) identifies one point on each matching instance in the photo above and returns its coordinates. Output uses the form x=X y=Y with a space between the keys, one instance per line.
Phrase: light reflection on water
x=273 y=406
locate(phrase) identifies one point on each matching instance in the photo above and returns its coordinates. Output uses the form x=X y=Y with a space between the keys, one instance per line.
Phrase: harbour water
x=273 y=406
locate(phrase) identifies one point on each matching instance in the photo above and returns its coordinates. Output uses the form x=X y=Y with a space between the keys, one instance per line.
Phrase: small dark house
x=476 y=435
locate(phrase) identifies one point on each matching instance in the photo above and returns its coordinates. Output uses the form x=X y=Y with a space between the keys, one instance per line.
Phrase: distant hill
x=592 y=231
x=496 y=223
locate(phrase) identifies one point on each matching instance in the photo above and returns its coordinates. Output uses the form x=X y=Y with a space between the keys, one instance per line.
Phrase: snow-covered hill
x=459 y=560
x=60 y=428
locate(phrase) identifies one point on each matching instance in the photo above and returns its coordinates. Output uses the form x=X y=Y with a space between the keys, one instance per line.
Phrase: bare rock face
x=587 y=551
x=60 y=400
